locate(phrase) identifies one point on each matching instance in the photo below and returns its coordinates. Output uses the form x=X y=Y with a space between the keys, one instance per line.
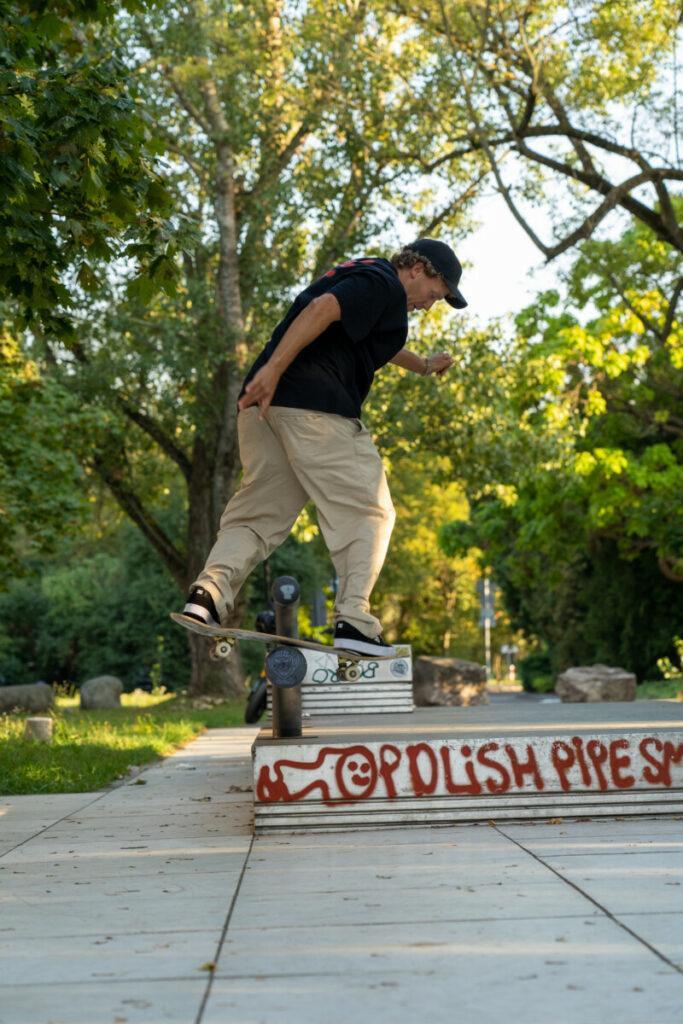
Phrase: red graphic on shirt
x=348 y=263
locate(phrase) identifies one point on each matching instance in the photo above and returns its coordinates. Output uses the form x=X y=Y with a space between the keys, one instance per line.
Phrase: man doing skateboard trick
x=301 y=437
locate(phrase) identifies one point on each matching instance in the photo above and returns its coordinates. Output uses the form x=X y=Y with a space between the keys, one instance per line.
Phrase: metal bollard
x=286 y=666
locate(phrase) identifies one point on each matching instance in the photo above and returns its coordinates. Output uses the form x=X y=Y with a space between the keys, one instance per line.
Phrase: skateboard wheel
x=350 y=672
x=221 y=649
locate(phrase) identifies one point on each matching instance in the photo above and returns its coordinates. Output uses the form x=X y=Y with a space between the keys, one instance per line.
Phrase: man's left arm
x=437 y=362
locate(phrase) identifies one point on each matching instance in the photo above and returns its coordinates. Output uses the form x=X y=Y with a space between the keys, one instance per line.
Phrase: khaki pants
x=290 y=457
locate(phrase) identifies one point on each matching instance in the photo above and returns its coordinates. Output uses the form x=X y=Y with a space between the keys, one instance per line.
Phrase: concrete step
x=517 y=761
x=357 y=698
x=384 y=688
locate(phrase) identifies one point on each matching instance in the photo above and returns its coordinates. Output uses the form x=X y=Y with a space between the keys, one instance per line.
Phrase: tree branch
x=614 y=197
x=667 y=570
x=133 y=507
x=645 y=320
x=647 y=418
x=197 y=168
x=142 y=419
x=272 y=170
x=167 y=70
x=671 y=311
x=468 y=194
x=153 y=430
x=605 y=187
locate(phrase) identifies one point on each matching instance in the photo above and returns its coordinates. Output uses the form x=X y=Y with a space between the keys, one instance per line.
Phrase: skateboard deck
x=230 y=635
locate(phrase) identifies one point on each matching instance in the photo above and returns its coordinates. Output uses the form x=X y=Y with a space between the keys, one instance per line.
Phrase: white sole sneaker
x=366 y=647
x=197 y=611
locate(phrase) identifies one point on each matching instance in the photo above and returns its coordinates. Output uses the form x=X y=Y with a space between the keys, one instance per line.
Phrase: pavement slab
x=151 y=902
x=663 y=931
x=120 y=956
x=113 y=904
x=111 y=1001
x=528 y=995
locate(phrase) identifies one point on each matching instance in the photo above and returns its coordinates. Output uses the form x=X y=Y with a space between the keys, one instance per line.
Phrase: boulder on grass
x=593 y=683
x=101 y=692
x=31 y=697
x=439 y=682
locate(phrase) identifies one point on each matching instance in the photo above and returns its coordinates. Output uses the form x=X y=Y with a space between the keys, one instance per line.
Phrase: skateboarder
x=301 y=437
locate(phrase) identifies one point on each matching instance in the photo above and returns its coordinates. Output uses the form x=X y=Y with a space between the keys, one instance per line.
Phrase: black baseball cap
x=443 y=259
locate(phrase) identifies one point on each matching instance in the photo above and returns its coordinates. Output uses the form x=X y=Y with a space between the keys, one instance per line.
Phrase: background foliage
x=171 y=176
x=581 y=523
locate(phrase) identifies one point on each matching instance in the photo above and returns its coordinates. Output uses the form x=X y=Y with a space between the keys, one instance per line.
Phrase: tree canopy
x=597 y=495
x=568 y=107
x=172 y=176
x=42 y=492
x=78 y=182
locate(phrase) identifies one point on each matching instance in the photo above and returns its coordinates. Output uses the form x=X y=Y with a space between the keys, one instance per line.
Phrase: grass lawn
x=661 y=689
x=91 y=749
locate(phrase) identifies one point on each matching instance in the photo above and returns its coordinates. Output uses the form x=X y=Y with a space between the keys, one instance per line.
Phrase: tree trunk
x=215 y=463
x=206 y=505
x=223 y=678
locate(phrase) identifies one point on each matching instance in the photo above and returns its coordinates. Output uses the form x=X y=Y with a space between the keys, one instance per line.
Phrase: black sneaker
x=200 y=606
x=348 y=638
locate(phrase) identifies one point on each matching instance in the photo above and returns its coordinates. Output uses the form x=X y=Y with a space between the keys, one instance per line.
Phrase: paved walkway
x=113 y=905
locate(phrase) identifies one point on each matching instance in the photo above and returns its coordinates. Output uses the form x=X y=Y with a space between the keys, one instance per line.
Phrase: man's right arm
x=315 y=318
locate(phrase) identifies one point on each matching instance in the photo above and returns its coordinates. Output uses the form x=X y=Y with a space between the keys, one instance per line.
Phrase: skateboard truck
x=348 y=671
x=221 y=649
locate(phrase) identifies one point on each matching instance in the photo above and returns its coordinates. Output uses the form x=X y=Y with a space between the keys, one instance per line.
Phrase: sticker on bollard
x=285 y=590
x=285 y=666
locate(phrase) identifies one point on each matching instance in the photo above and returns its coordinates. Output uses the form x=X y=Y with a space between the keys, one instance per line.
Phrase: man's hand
x=313 y=319
x=260 y=390
x=438 y=363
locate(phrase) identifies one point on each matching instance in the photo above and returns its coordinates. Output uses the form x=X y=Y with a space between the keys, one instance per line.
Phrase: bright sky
x=502 y=269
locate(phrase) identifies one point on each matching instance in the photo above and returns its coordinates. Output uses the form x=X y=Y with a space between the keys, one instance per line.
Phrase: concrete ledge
x=447 y=765
x=448 y=811
x=325 y=699
x=385 y=687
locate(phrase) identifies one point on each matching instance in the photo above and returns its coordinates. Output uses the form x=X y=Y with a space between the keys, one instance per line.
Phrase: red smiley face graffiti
x=356 y=773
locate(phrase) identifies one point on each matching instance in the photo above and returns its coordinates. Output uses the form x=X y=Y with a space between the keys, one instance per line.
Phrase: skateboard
x=224 y=641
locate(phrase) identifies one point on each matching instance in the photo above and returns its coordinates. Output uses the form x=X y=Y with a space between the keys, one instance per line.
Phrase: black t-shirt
x=334 y=372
